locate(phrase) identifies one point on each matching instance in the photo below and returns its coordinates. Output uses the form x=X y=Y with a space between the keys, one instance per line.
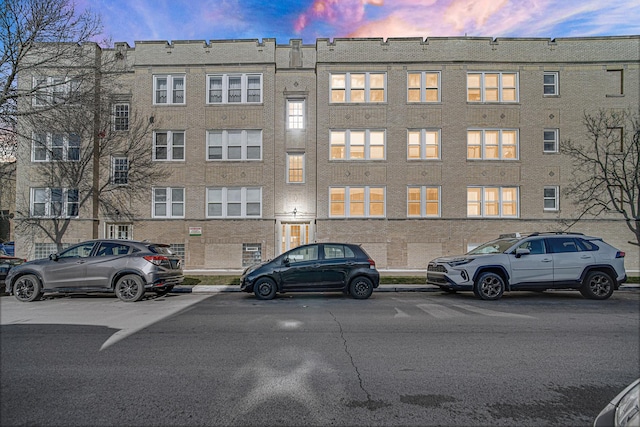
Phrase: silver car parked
x=128 y=268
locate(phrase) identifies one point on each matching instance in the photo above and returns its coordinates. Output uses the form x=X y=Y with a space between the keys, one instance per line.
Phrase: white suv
x=535 y=262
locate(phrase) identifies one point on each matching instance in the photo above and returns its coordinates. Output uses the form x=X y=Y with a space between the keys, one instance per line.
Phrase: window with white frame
x=47 y=147
x=168 y=202
x=168 y=145
x=423 y=201
x=121 y=117
x=358 y=87
x=492 y=144
x=357 y=202
x=492 y=87
x=551 y=198
x=119 y=231
x=234 y=202
x=234 y=88
x=550 y=141
x=54 y=202
x=169 y=89
x=119 y=170
x=550 y=83
x=295 y=168
x=492 y=202
x=295 y=114
x=234 y=144
x=54 y=90
x=423 y=86
x=423 y=144
x=364 y=144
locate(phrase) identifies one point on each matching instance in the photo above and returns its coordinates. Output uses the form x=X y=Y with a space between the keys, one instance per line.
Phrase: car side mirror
x=54 y=257
x=286 y=262
x=522 y=251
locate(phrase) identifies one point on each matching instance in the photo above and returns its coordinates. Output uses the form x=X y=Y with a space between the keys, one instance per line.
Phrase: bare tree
x=84 y=178
x=607 y=167
x=36 y=34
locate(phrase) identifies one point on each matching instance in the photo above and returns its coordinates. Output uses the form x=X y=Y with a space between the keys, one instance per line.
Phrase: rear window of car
x=338 y=251
x=160 y=249
x=586 y=245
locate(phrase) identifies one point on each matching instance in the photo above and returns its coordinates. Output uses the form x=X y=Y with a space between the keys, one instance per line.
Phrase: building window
x=357 y=202
x=616 y=141
x=168 y=145
x=357 y=144
x=234 y=144
x=119 y=231
x=169 y=89
x=492 y=87
x=551 y=198
x=121 y=117
x=423 y=201
x=550 y=141
x=492 y=144
x=550 y=84
x=295 y=168
x=423 y=144
x=492 y=202
x=54 y=90
x=234 y=88
x=177 y=249
x=47 y=147
x=234 y=202
x=423 y=86
x=251 y=254
x=168 y=202
x=615 y=83
x=295 y=114
x=358 y=87
x=120 y=170
x=54 y=202
x=43 y=250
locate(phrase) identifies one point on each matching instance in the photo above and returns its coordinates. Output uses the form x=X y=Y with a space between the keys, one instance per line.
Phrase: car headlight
x=628 y=408
x=461 y=261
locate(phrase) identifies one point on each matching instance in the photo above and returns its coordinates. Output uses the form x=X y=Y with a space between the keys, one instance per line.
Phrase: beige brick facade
x=292 y=213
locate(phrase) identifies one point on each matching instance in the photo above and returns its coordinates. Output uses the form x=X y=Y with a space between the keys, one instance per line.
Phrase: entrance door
x=294 y=235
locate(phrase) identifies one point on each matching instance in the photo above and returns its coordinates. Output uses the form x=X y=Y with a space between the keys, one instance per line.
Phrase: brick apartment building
x=413 y=148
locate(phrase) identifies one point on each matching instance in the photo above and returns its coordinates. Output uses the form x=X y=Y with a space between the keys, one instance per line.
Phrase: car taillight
x=372 y=263
x=620 y=254
x=156 y=259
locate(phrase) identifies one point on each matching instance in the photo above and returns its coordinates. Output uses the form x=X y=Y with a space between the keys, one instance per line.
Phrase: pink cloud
x=335 y=11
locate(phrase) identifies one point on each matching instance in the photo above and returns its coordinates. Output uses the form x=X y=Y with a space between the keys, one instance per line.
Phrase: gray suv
x=533 y=262
x=128 y=268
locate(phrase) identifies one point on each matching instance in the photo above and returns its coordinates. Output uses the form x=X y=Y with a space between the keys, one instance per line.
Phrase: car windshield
x=160 y=249
x=493 y=247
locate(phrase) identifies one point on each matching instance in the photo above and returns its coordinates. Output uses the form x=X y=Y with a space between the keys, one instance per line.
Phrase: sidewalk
x=382 y=288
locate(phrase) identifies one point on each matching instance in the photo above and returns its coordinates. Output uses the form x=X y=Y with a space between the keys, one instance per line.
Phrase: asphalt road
x=406 y=358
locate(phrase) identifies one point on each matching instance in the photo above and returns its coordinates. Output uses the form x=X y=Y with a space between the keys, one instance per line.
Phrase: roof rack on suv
x=539 y=233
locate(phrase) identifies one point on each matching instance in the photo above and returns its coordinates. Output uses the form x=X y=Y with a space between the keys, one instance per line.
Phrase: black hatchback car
x=318 y=267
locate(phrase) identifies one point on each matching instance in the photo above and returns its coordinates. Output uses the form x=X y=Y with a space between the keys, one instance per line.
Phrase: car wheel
x=489 y=286
x=163 y=291
x=264 y=289
x=130 y=288
x=361 y=288
x=597 y=285
x=27 y=288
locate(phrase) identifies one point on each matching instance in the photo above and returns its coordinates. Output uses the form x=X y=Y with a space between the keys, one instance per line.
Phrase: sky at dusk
x=143 y=20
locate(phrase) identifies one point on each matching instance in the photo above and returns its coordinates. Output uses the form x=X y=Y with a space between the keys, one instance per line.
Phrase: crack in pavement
x=346 y=350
